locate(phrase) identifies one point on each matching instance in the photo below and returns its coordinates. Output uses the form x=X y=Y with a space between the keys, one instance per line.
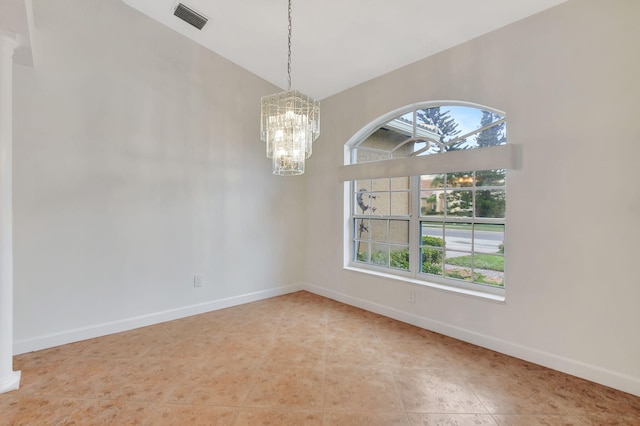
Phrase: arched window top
x=428 y=128
x=427 y=189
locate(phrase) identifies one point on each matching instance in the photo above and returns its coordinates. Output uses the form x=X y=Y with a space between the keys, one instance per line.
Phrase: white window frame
x=486 y=158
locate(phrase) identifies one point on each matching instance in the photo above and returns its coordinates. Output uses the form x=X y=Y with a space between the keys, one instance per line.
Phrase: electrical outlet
x=197 y=280
x=412 y=296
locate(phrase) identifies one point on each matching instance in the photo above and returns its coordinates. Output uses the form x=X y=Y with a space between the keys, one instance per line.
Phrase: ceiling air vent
x=190 y=16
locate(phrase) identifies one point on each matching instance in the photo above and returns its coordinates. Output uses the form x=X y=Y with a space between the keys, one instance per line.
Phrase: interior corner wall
x=137 y=165
x=567 y=79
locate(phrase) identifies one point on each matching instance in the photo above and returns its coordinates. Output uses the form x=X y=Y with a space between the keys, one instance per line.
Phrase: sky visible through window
x=468 y=118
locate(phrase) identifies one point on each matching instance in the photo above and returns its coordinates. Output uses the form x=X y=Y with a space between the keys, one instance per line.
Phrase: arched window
x=427 y=191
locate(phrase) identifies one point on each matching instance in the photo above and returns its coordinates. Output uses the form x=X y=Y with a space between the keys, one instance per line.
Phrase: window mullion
x=414 y=225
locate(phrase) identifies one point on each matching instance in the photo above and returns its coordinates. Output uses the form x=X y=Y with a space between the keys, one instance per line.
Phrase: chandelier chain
x=289 y=52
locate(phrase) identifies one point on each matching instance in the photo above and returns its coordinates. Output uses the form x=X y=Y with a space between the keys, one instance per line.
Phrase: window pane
x=407 y=123
x=432 y=203
x=380 y=184
x=490 y=177
x=432 y=234
x=492 y=136
x=457 y=237
x=400 y=203
x=380 y=203
x=400 y=183
x=405 y=149
x=431 y=261
x=460 y=180
x=488 y=238
x=490 y=203
x=489 y=270
x=443 y=121
x=399 y=257
x=439 y=126
x=491 y=117
x=390 y=137
x=362 y=251
x=488 y=262
x=379 y=230
x=394 y=134
x=399 y=231
x=380 y=254
x=431 y=181
x=460 y=203
x=361 y=228
x=427 y=147
x=426 y=128
x=458 y=265
x=363 y=203
x=363 y=185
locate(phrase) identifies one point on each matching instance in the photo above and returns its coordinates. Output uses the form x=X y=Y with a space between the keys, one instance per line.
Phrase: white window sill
x=493 y=297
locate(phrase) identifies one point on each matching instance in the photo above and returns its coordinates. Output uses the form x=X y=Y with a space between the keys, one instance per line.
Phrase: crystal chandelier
x=290 y=122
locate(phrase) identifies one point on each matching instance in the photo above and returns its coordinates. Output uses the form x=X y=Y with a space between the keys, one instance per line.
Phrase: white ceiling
x=337 y=44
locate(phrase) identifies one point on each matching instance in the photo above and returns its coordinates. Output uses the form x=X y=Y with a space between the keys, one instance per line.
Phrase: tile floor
x=298 y=359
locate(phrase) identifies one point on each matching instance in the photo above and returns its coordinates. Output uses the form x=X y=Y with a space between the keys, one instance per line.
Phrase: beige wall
x=138 y=164
x=568 y=81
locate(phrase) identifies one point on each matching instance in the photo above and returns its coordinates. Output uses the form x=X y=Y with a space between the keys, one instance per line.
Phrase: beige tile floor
x=298 y=359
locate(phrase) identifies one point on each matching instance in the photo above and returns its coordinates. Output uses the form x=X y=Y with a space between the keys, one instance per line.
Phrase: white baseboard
x=98 y=330
x=10 y=382
x=589 y=372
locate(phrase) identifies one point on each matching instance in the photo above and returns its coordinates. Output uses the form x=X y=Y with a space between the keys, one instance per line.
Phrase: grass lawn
x=481 y=261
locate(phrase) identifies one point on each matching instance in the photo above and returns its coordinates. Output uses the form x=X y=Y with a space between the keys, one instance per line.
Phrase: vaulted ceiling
x=337 y=44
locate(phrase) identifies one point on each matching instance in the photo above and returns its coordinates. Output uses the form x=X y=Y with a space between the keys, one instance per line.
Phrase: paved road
x=458 y=239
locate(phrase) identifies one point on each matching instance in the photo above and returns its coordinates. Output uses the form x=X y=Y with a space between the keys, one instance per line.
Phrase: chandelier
x=289 y=123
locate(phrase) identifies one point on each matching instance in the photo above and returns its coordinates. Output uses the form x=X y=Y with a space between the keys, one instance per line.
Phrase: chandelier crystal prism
x=289 y=124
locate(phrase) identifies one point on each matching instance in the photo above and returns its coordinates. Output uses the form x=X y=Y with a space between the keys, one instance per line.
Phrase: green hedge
x=399 y=259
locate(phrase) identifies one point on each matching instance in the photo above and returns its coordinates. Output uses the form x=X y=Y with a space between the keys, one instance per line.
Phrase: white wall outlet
x=197 y=280
x=412 y=296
